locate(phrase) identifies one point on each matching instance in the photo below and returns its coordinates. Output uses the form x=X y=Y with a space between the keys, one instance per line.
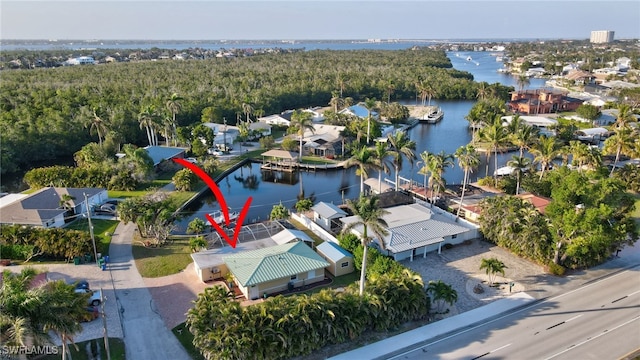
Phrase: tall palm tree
x=468 y=160
x=147 y=119
x=97 y=125
x=496 y=137
x=524 y=136
x=520 y=165
x=302 y=120
x=401 y=147
x=621 y=142
x=370 y=104
x=174 y=105
x=63 y=309
x=365 y=159
x=335 y=101
x=545 y=150
x=522 y=81
x=247 y=109
x=370 y=217
x=436 y=163
x=381 y=153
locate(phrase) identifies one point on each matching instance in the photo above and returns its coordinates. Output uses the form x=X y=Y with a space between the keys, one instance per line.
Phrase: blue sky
x=303 y=19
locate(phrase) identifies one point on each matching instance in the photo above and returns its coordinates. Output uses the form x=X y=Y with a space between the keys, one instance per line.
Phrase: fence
x=317 y=229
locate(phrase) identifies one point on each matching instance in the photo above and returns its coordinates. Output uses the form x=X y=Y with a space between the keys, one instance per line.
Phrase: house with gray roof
x=161 y=153
x=414 y=230
x=325 y=213
x=274 y=269
x=49 y=206
x=340 y=260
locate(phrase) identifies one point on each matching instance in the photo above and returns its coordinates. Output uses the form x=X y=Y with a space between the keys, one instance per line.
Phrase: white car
x=215 y=152
x=192 y=160
x=94 y=299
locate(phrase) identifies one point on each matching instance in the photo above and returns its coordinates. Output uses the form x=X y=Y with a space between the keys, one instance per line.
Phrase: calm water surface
x=334 y=186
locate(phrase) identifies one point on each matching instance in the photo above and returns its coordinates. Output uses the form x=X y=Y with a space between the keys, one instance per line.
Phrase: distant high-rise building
x=602 y=36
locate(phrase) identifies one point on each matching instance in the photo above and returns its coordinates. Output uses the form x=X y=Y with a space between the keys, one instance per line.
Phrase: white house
x=82 y=60
x=224 y=134
x=324 y=213
x=544 y=124
x=340 y=260
x=415 y=230
x=325 y=140
x=48 y=206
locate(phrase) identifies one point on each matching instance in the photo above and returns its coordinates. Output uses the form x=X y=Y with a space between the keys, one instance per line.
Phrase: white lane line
x=500 y=348
x=593 y=338
x=633 y=293
x=573 y=318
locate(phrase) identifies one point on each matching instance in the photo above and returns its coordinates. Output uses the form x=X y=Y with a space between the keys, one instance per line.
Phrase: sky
x=306 y=20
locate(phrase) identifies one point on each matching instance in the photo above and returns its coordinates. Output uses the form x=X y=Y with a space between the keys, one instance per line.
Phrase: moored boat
x=218 y=216
x=432 y=116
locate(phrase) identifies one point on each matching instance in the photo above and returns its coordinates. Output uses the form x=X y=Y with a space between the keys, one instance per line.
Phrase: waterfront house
x=325 y=140
x=161 y=153
x=542 y=101
x=340 y=260
x=274 y=269
x=48 y=207
x=325 y=214
x=284 y=118
x=539 y=202
x=360 y=111
x=414 y=230
x=543 y=124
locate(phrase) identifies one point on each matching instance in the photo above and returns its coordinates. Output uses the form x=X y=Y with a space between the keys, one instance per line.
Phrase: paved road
x=145 y=334
x=600 y=320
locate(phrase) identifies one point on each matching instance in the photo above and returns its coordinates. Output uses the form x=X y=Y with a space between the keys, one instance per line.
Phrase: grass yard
x=161 y=261
x=636 y=212
x=317 y=160
x=90 y=347
x=186 y=339
x=102 y=230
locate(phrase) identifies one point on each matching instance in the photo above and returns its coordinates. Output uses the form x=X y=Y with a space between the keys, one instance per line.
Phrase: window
x=215 y=270
x=294 y=277
x=344 y=264
x=454 y=236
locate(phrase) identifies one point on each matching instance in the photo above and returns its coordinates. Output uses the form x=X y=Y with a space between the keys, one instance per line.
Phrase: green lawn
x=102 y=231
x=317 y=160
x=186 y=339
x=161 y=261
x=636 y=212
x=116 y=350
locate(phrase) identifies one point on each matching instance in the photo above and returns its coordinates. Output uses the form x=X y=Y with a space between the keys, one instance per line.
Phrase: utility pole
x=93 y=239
x=104 y=326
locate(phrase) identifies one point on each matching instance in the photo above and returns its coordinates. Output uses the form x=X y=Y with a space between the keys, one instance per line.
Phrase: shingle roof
x=327 y=210
x=277 y=262
x=159 y=153
x=282 y=154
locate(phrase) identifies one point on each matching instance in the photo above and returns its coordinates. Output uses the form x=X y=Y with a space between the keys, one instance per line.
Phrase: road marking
x=573 y=318
x=593 y=338
x=500 y=348
x=525 y=308
x=490 y=352
x=633 y=293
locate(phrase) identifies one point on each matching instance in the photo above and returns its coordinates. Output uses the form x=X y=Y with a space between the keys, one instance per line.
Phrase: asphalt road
x=600 y=320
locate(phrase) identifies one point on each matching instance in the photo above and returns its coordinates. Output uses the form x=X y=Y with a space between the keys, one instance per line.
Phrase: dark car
x=92 y=313
x=82 y=285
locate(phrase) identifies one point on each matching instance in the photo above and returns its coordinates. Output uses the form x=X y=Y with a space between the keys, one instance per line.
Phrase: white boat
x=504 y=171
x=433 y=115
x=218 y=216
x=469 y=58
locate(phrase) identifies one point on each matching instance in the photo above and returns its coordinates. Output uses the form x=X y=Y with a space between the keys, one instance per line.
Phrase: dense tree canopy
x=50 y=113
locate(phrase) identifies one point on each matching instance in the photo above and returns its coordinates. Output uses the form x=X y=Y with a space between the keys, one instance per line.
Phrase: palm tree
x=496 y=137
x=381 y=153
x=468 y=159
x=302 y=120
x=370 y=218
x=524 y=136
x=63 y=309
x=492 y=266
x=365 y=159
x=146 y=118
x=174 y=106
x=520 y=165
x=335 y=101
x=98 y=126
x=436 y=163
x=369 y=104
x=621 y=142
x=545 y=151
x=442 y=293
x=523 y=81
x=625 y=115
x=247 y=109
x=401 y=146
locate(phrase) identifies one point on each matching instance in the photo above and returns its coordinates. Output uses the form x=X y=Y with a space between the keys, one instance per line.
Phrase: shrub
x=555 y=269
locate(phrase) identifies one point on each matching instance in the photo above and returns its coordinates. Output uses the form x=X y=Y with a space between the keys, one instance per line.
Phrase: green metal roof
x=276 y=262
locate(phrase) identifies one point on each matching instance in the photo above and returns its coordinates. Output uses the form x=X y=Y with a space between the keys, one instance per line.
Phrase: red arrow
x=223 y=204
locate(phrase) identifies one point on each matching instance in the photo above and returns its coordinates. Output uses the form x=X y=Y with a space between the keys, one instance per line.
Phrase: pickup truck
x=95 y=298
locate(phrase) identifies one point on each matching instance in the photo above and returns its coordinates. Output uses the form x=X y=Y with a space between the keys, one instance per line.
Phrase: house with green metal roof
x=274 y=269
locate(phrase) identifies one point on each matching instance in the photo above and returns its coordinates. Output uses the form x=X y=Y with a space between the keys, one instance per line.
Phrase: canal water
x=268 y=189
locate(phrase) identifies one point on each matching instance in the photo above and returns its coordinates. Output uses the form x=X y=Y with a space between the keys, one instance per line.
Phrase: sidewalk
x=145 y=334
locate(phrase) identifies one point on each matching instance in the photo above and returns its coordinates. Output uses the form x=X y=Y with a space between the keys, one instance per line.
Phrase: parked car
x=94 y=299
x=192 y=160
x=81 y=284
x=214 y=152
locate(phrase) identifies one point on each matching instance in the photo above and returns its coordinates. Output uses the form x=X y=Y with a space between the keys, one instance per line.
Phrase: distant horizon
x=305 y=20
x=314 y=40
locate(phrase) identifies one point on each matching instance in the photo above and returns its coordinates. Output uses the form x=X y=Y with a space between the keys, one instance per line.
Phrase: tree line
x=48 y=114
